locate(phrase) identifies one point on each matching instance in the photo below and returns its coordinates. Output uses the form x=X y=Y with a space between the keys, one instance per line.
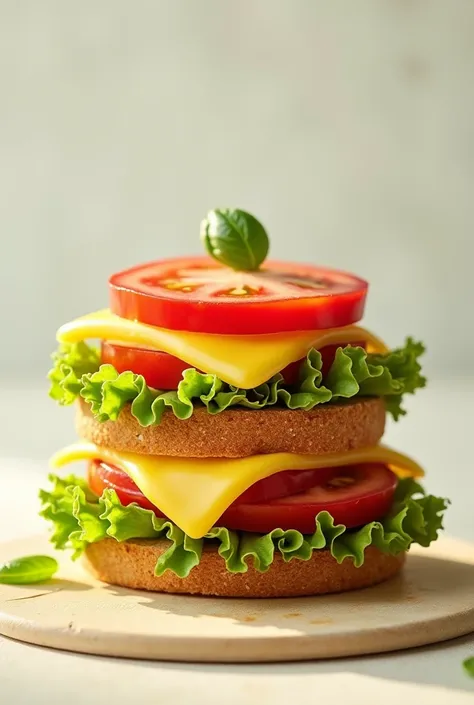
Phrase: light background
x=346 y=127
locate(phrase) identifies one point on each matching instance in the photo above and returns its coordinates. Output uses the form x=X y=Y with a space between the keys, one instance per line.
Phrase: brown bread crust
x=131 y=564
x=237 y=433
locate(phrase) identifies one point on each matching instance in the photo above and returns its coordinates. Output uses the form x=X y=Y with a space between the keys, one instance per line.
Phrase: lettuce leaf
x=70 y=364
x=77 y=373
x=78 y=518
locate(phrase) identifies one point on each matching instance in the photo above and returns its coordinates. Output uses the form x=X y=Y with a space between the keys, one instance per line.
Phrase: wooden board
x=432 y=601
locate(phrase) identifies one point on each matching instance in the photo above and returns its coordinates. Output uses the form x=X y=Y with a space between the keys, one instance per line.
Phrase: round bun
x=237 y=433
x=131 y=564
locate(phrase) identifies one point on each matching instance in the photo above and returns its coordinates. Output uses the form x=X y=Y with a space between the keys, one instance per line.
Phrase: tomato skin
x=164 y=371
x=278 y=305
x=368 y=497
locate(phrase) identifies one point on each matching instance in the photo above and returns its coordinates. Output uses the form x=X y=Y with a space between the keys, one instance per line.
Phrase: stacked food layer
x=231 y=420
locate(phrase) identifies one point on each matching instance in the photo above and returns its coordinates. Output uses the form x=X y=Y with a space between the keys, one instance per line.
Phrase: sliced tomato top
x=198 y=294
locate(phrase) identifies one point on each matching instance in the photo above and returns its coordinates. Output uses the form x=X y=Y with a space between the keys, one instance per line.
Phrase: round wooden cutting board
x=432 y=601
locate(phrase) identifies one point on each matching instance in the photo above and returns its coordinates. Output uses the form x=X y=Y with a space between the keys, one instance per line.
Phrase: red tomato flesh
x=160 y=370
x=353 y=496
x=164 y=371
x=291 y=499
x=198 y=294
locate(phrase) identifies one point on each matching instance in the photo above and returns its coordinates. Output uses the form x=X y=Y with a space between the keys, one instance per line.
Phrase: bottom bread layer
x=131 y=564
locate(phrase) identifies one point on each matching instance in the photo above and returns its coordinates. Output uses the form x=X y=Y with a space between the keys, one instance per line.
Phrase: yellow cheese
x=242 y=360
x=194 y=493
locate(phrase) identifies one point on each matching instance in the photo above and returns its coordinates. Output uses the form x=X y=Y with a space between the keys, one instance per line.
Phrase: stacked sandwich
x=231 y=421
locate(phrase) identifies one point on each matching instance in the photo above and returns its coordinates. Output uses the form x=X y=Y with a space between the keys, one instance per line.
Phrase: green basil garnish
x=468 y=665
x=235 y=238
x=29 y=569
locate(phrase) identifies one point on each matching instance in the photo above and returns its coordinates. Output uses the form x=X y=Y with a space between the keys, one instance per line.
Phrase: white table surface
x=438 y=432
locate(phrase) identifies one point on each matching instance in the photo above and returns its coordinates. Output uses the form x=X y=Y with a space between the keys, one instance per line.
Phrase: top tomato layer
x=198 y=294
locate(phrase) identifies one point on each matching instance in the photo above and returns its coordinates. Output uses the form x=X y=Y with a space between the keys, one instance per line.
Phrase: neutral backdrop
x=347 y=127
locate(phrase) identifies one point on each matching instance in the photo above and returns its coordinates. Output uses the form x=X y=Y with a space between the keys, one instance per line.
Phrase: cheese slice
x=195 y=492
x=241 y=360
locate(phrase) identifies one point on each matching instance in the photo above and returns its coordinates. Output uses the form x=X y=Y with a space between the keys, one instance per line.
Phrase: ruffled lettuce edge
x=77 y=373
x=79 y=517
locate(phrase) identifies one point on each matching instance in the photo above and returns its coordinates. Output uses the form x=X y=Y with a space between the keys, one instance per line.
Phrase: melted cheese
x=194 y=493
x=242 y=360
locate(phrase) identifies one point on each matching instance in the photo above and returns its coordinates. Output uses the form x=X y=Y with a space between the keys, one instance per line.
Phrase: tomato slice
x=102 y=476
x=198 y=294
x=164 y=371
x=160 y=370
x=289 y=482
x=353 y=495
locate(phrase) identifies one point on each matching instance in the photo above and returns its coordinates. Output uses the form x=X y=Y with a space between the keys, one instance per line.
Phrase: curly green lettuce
x=77 y=372
x=79 y=517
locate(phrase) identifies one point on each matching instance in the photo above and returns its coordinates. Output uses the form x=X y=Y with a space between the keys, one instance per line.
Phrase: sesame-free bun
x=238 y=432
x=131 y=564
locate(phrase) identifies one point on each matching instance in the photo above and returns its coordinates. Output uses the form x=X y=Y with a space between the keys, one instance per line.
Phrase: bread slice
x=131 y=564
x=238 y=432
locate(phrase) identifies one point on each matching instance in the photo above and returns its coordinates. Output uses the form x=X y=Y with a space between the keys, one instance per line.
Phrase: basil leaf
x=468 y=665
x=235 y=238
x=28 y=569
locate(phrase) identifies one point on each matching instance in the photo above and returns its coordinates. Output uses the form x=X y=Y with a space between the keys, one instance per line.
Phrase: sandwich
x=230 y=418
